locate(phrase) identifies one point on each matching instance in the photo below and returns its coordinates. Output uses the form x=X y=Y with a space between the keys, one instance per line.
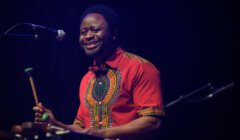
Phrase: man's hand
x=43 y=115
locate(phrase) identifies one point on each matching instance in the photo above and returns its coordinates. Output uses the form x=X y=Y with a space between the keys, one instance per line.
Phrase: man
x=120 y=96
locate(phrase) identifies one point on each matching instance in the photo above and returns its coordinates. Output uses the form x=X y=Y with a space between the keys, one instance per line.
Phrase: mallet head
x=28 y=70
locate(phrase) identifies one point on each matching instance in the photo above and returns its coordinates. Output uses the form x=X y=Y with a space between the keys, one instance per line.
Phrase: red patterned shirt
x=127 y=88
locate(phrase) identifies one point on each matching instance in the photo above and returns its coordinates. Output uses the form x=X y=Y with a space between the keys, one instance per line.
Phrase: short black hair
x=108 y=13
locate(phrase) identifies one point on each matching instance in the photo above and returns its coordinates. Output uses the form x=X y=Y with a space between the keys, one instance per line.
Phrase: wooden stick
x=28 y=71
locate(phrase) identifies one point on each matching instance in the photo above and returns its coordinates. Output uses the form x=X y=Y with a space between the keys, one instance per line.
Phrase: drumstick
x=28 y=71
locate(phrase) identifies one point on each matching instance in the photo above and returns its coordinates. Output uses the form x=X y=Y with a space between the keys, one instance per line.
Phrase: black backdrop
x=191 y=42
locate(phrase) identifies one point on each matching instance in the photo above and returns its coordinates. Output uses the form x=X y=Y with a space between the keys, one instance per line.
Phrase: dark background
x=191 y=42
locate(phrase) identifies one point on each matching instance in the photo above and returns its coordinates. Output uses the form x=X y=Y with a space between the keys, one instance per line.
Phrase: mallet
x=28 y=71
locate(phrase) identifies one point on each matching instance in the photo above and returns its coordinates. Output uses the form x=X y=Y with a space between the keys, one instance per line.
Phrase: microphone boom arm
x=209 y=96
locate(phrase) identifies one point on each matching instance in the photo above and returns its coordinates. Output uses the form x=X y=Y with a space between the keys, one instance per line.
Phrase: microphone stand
x=37 y=32
x=209 y=96
x=12 y=35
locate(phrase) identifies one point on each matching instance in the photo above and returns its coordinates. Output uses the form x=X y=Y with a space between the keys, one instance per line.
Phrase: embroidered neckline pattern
x=101 y=93
x=138 y=58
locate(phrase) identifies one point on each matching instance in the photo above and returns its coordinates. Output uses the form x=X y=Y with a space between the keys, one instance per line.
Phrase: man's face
x=94 y=34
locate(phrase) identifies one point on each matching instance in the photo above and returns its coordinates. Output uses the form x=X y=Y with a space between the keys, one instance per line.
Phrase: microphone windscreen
x=61 y=35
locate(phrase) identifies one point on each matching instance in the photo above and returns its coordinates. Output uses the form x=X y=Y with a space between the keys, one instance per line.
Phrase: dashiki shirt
x=124 y=89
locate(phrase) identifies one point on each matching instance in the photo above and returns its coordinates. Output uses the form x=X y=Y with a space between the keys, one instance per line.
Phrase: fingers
x=41 y=114
x=41 y=117
x=37 y=109
x=38 y=117
x=42 y=107
x=38 y=114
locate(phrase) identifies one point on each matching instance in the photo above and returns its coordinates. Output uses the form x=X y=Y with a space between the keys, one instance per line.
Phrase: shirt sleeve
x=147 y=95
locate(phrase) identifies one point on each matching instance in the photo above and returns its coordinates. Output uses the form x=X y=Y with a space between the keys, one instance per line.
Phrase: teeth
x=91 y=43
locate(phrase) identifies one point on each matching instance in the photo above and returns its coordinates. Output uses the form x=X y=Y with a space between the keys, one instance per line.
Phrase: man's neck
x=102 y=58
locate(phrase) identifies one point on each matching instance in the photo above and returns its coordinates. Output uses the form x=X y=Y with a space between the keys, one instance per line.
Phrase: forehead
x=93 y=19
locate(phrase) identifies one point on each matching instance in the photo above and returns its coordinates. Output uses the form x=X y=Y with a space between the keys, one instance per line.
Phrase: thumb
x=42 y=107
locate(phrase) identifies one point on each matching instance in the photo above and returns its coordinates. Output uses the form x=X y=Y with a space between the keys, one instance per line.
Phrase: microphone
x=45 y=31
x=39 y=31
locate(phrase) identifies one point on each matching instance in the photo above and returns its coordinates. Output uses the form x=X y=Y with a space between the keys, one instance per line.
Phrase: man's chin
x=92 y=52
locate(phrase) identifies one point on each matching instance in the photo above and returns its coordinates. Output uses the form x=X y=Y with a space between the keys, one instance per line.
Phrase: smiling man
x=120 y=95
x=94 y=33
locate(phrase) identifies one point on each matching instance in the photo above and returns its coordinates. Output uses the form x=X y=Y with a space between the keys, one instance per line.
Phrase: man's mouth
x=91 y=46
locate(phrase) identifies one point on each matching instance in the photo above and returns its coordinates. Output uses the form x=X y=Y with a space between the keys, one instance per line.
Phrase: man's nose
x=89 y=35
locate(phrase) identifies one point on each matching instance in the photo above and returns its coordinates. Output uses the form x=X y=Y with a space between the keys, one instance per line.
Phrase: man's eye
x=96 y=30
x=83 y=32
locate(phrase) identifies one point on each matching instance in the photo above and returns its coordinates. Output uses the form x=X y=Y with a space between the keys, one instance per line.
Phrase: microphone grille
x=61 y=35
